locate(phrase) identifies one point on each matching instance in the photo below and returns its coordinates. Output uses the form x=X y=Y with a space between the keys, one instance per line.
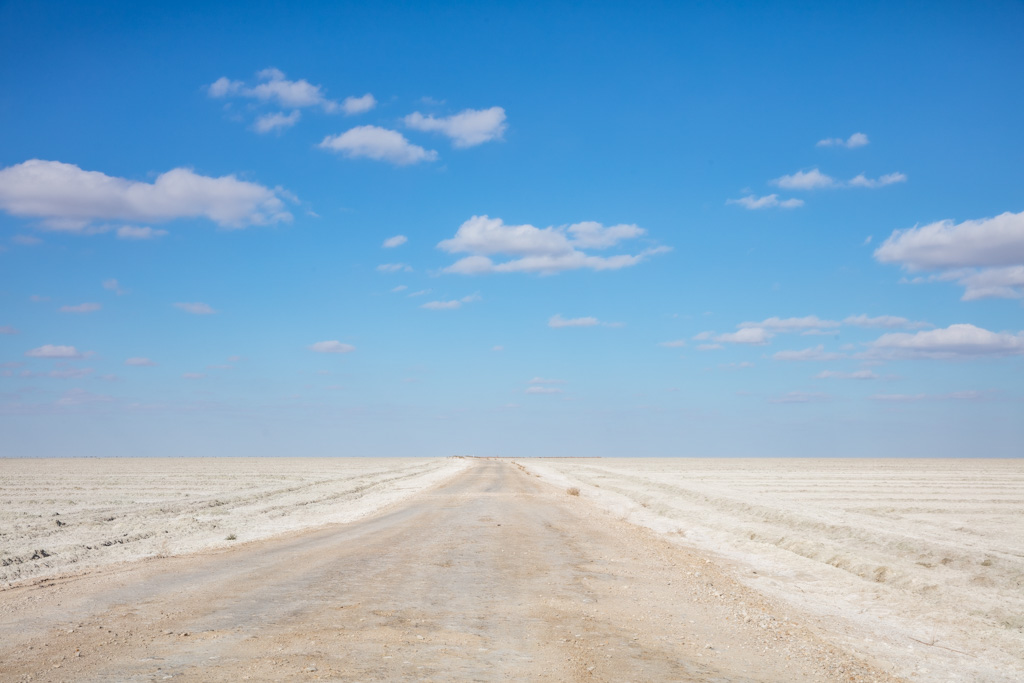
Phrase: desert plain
x=511 y=569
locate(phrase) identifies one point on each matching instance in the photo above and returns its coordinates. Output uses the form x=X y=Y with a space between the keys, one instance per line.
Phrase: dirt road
x=491 y=576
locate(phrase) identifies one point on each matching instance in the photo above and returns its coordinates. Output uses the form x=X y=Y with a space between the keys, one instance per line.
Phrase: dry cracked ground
x=493 y=575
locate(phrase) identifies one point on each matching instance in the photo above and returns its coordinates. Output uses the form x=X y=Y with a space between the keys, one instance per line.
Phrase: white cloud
x=888 y=179
x=747 y=335
x=675 y=344
x=399 y=288
x=855 y=140
x=396 y=241
x=89 y=307
x=421 y=292
x=815 y=179
x=112 y=285
x=68 y=198
x=22 y=240
x=379 y=144
x=7 y=329
x=543 y=390
x=805 y=180
x=539 y=250
x=359 y=105
x=195 y=308
x=394 y=268
x=857 y=374
x=140 y=362
x=885 y=321
x=766 y=202
x=449 y=305
x=709 y=347
x=130 y=232
x=332 y=346
x=468 y=128
x=791 y=324
x=815 y=353
x=273 y=86
x=985 y=256
x=956 y=341
x=276 y=121
x=52 y=351
x=738 y=366
x=558 y=321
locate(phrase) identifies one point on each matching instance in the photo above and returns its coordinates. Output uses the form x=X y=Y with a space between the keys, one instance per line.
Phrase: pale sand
x=68 y=515
x=915 y=562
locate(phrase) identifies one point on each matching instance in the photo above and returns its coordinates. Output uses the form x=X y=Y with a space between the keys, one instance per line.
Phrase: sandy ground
x=71 y=514
x=491 y=575
x=916 y=563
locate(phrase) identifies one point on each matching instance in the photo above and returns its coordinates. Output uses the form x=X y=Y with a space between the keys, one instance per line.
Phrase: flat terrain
x=491 y=575
x=919 y=563
x=69 y=514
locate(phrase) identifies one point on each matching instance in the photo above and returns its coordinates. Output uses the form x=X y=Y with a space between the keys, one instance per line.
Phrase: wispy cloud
x=450 y=305
x=130 y=232
x=55 y=351
x=140 y=362
x=332 y=346
x=396 y=241
x=89 y=307
x=195 y=308
x=814 y=353
x=857 y=374
x=753 y=202
x=852 y=142
x=276 y=121
x=394 y=268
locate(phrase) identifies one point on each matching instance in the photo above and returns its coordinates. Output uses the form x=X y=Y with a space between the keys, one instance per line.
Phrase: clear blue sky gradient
x=653 y=114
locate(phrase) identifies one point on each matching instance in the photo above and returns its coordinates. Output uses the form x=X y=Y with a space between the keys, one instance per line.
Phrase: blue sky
x=626 y=229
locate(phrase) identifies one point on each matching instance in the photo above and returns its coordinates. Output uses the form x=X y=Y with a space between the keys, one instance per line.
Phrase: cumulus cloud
x=747 y=335
x=753 y=202
x=854 y=141
x=776 y=324
x=861 y=180
x=358 y=105
x=953 y=342
x=140 y=362
x=394 y=268
x=815 y=179
x=450 y=305
x=333 y=346
x=195 y=308
x=68 y=198
x=89 y=307
x=805 y=180
x=276 y=121
x=468 y=128
x=985 y=256
x=273 y=86
x=857 y=374
x=884 y=321
x=53 y=351
x=815 y=353
x=539 y=250
x=379 y=144
x=130 y=232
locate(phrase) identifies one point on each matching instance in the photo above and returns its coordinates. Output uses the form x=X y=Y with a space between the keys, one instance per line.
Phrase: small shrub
x=573 y=491
x=231 y=537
